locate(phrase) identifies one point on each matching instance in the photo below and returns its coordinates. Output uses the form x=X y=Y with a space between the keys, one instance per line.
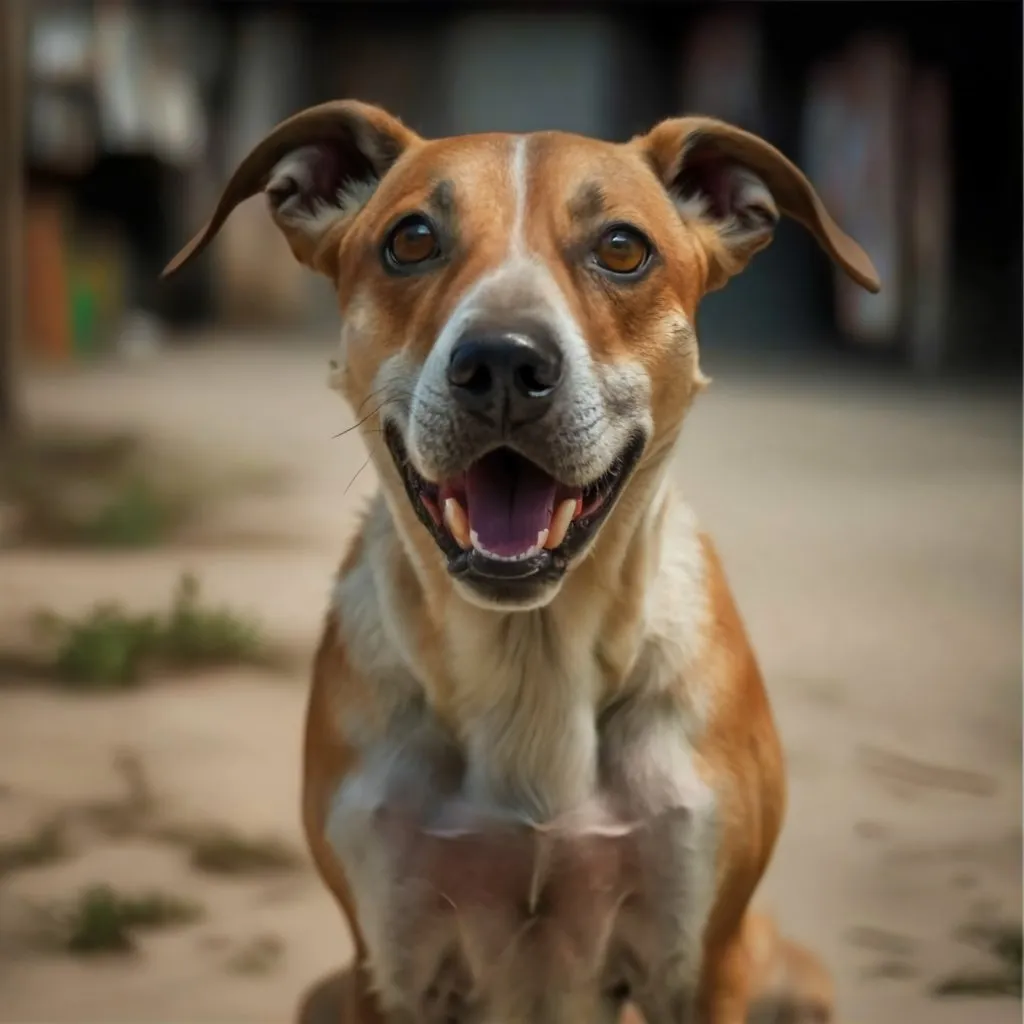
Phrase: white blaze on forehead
x=510 y=269
x=520 y=167
x=518 y=273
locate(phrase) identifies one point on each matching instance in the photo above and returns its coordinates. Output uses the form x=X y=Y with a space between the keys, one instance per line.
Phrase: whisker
x=358 y=423
x=356 y=474
x=392 y=389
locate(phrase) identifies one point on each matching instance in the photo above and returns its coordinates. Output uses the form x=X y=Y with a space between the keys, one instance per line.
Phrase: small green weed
x=1003 y=941
x=73 y=487
x=136 y=513
x=111 y=648
x=101 y=920
x=221 y=852
x=106 y=648
x=194 y=635
x=101 y=491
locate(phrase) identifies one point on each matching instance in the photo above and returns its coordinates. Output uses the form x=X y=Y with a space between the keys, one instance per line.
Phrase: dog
x=542 y=777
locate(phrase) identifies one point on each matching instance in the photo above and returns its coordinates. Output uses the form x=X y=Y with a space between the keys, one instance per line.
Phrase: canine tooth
x=456 y=521
x=542 y=539
x=560 y=522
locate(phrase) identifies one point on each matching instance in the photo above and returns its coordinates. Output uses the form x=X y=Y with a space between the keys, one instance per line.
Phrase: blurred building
x=137 y=112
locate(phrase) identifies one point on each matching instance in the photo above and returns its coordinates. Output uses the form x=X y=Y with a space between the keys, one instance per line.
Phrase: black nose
x=510 y=378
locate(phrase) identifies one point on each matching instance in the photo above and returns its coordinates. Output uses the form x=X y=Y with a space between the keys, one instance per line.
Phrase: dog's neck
x=523 y=690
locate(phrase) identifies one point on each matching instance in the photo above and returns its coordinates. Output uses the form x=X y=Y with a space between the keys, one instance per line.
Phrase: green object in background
x=83 y=317
x=95 y=289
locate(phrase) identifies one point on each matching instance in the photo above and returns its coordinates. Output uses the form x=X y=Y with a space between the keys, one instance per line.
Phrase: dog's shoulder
x=360 y=639
x=676 y=598
x=695 y=641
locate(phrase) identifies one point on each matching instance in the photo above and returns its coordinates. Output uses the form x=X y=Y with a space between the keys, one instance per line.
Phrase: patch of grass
x=979 y=984
x=107 y=648
x=1003 y=941
x=112 y=491
x=54 y=837
x=111 y=648
x=105 y=491
x=46 y=845
x=101 y=920
x=194 y=635
x=222 y=852
x=136 y=513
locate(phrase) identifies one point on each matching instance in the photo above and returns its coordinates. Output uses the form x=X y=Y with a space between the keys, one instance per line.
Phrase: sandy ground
x=873 y=537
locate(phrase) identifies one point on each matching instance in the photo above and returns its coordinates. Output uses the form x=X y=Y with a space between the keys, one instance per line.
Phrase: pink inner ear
x=312 y=176
x=326 y=173
x=709 y=176
x=730 y=190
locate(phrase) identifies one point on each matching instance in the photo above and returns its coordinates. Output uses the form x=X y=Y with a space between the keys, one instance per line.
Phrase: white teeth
x=457 y=523
x=560 y=523
x=528 y=553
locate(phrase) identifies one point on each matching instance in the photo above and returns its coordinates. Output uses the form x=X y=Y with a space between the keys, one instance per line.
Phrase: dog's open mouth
x=505 y=517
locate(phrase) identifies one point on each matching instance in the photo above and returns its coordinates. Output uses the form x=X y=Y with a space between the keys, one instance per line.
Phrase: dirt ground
x=873 y=538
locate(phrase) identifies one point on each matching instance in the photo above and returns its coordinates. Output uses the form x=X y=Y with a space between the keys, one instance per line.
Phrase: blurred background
x=135 y=114
x=174 y=492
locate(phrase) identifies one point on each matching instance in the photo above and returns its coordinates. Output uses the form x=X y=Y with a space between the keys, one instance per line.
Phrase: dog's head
x=518 y=311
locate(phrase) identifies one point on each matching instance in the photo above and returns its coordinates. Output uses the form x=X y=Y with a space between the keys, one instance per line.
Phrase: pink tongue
x=509 y=501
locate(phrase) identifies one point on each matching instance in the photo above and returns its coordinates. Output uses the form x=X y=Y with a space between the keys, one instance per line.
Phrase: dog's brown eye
x=622 y=251
x=412 y=241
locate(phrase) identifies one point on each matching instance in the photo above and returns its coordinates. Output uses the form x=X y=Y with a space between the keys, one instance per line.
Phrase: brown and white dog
x=542 y=777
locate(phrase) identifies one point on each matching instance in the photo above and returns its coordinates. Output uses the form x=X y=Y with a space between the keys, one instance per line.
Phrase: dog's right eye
x=622 y=251
x=411 y=241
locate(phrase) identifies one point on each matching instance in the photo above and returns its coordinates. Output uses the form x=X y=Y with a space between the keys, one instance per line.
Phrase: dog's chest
x=474 y=909
x=525 y=706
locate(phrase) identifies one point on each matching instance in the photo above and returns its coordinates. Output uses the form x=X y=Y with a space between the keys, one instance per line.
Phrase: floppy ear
x=737 y=185
x=316 y=168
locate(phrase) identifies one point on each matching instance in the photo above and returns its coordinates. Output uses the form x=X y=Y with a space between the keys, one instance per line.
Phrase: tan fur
x=413 y=669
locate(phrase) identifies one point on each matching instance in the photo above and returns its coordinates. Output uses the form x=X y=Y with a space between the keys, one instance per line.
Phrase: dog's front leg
x=726 y=996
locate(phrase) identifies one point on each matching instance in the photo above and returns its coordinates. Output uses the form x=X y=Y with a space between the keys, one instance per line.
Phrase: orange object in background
x=47 y=323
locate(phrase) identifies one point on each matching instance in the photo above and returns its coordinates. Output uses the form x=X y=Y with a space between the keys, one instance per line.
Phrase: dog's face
x=518 y=312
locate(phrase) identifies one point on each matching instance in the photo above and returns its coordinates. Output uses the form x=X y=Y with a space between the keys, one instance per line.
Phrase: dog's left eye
x=621 y=250
x=413 y=240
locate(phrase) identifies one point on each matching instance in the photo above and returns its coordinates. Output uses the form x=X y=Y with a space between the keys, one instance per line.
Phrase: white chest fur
x=527 y=691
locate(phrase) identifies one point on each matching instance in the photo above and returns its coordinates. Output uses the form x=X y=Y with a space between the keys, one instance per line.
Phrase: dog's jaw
x=532 y=579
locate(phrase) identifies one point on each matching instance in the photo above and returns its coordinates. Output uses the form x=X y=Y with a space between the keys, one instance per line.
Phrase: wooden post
x=13 y=41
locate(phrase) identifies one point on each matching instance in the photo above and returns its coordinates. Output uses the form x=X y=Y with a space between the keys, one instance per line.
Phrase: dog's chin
x=510 y=532
x=520 y=595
